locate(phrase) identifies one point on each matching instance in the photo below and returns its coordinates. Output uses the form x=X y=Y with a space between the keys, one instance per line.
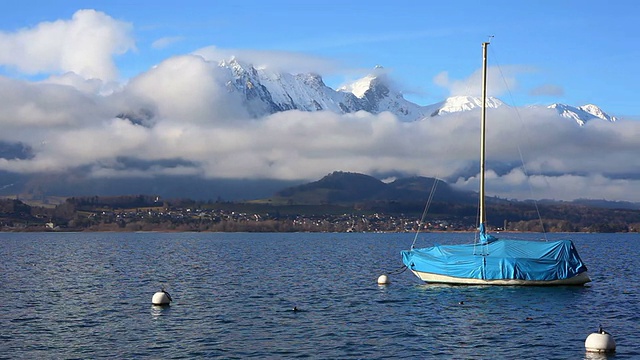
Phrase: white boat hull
x=579 y=279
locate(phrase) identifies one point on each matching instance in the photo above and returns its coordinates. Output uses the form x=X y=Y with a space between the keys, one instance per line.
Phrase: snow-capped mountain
x=265 y=92
x=376 y=95
x=582 y=114
x=462 y=103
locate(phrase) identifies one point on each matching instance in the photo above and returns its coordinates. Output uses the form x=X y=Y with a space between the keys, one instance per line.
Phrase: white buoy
x=383 y=280
x=600 y=342
x=161 y=298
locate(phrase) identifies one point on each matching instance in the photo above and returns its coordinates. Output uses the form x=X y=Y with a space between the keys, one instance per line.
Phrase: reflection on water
x=89 y=295
x=158 y=310
x=598 y=356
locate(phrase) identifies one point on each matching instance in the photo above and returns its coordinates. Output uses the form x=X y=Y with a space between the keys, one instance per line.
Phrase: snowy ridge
x=359 y=87
x=462 y=103
x=376 y=95
x=264 y=92
x=582 y=114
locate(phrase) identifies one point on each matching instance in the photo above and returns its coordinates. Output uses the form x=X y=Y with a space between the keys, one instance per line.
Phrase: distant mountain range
x=266 y=92
x=582 y=114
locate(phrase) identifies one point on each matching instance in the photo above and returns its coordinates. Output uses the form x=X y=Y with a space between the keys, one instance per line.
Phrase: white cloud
x=501 y=79
x=187 y=89
x=198 y=122
x=69 y=121
x=85 y=45
x=564 y=162
x=166 y=42
x=30 y=108
x=275 y=60
x=91 y=86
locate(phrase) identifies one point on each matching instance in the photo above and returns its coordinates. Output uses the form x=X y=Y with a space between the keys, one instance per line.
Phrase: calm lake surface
x=88 y=295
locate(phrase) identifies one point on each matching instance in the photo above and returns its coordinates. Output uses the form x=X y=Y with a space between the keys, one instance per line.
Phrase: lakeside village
x=212 y=220
x=143 y=214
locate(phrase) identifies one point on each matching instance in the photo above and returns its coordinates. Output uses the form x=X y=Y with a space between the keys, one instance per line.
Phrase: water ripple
x=88 y=296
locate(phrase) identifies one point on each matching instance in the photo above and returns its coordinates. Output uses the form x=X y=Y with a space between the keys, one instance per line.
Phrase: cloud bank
x=178 y=118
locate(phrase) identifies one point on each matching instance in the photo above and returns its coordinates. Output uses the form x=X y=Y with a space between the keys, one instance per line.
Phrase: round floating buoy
x=161 y=298
x=383 y=280
x=600 y=342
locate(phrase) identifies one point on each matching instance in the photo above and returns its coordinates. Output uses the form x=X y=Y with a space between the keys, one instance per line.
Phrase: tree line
x=147 y=213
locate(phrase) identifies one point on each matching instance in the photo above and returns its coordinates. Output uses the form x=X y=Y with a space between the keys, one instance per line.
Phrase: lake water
x=88 y=295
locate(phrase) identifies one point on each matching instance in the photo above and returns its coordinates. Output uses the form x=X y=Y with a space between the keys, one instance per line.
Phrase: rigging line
x=426 y=210
x=524 y=166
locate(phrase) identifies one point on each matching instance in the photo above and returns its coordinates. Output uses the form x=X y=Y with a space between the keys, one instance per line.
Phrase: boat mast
x=483 y=216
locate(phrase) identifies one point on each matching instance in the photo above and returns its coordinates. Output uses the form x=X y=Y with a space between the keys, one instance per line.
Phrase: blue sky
x=68 y=68
x=573 y=52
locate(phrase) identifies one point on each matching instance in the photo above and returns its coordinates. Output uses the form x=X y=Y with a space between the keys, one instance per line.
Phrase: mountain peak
x=376 y=79
x=583 y=113
x=360 y=86
x=238 y=68
x=597 y=112
x=462 y=103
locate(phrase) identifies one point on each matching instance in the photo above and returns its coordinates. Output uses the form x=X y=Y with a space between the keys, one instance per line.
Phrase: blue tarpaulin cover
x=499 y=259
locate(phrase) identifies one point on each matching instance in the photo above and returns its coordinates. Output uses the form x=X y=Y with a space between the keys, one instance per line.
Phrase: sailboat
x=493 y=261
